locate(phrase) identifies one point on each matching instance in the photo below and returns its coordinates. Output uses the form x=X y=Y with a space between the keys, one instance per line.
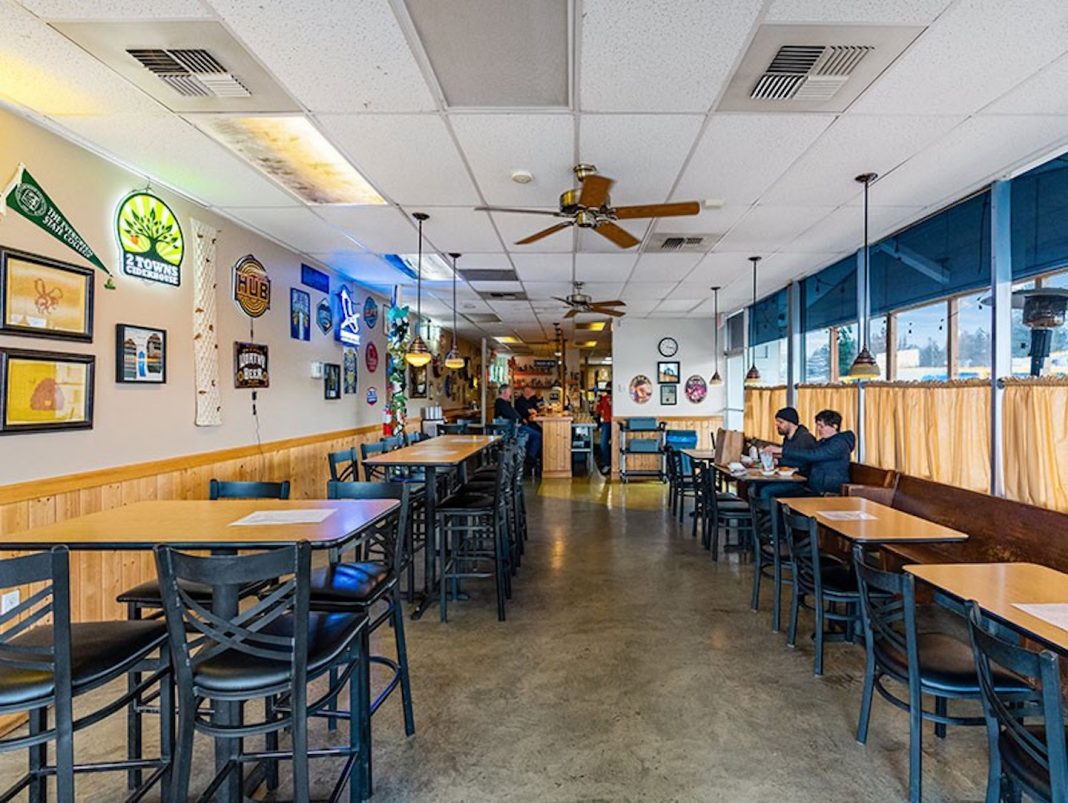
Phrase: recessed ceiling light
x=592 y=326
x=715 y=203
x=290 y=150
x=522 y=176
x=508 y=339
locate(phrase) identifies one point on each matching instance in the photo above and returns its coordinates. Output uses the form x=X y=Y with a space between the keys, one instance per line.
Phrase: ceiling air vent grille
x=191 y=72
x=685 y=243
x=808 y=72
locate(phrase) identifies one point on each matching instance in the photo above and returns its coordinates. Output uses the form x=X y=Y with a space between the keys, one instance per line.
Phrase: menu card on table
x=260 y=517
x=846 y=515
x=1055 y=613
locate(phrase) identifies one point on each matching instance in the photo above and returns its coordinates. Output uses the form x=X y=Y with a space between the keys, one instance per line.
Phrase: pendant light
x=716 y=378
x=864 y=366
x=418 y=353
x=753 y=376
x=453 y=360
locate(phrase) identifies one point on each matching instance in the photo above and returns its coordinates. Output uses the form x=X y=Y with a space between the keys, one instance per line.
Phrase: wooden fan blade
x=594 y=191
x=571 y=313
x=553 y=212
x=616 y=303
x=543 y=233
x=621 y=237
x=657 y=210
x=615 y=313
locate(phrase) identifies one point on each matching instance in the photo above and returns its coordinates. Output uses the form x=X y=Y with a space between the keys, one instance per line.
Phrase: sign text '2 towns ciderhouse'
x=150 y=239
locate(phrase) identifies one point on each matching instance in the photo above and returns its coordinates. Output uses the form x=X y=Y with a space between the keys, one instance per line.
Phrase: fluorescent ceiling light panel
x=592 y=326
x=293 y=152
x=508 y=339
x=435 y=268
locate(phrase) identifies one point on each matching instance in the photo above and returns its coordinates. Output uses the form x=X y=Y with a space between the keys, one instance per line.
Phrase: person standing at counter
x=527 y=407
x=603 y=412
x=502 y=408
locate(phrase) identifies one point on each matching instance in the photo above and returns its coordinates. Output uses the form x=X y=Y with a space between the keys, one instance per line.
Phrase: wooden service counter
x=555 y=446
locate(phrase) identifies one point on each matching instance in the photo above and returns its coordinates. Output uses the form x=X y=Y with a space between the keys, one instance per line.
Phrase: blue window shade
x=1039 y=213
x=767 y=319
x=945 y=254
x=829 y=297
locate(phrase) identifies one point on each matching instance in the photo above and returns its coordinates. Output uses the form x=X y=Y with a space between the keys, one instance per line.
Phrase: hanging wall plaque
x=252 y=286
x=370 y=312
x=348 y=370
x=324 y=317
x=371 y=357
x=250 y=366
x=348 y=318
x=372 y=396
x=150 y=239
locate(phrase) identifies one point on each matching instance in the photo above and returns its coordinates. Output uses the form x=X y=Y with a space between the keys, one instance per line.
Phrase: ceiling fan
x=580 y=302
x=589 y=207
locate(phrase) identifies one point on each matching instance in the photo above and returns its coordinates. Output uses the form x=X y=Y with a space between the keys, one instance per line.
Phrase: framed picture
x=669 y=394
x=43 y=390
x=43 y=297
x=667 y=373
x=299 y=314
x=331 y=380
x=250 y=366
x=140 y=355
x=417 y=382
x=348 y=370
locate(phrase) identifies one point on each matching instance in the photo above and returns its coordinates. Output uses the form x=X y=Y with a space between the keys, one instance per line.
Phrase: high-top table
x=201 y=524
x=870 y=522
x=444 y=451
x=998 y=588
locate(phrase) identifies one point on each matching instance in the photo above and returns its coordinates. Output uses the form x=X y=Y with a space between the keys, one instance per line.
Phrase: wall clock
x=668 y=347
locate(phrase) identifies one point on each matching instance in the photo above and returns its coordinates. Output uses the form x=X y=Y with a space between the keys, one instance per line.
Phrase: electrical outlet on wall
x=8 y=601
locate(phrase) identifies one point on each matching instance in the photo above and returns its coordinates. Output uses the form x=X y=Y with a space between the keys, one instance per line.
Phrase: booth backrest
x=863 y=474
x=999 y=530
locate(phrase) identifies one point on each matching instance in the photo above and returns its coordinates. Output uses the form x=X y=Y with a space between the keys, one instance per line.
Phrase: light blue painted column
x=1001 y=330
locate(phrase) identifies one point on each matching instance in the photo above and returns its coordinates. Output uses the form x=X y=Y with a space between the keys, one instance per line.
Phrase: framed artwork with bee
x=41 y=297
x=45 y=390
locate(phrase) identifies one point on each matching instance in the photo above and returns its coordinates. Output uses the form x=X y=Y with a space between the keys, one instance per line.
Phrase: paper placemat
x=260 y=517
x=846 y=515
x=1055 y=613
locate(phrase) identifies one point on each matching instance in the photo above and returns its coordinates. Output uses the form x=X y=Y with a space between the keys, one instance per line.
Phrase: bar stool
x=1029 y=758
x=270 y=651
x=484 y=482
x=46 y=666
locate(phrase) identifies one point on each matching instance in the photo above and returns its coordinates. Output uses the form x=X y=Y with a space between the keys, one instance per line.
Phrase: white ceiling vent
x=187 y=65
x=192 y=73
x=686 y=243
x=822 y=68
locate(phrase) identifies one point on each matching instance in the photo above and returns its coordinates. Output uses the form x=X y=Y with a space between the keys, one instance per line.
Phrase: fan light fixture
x=716 y=378
x=753 y=376
x=453 y=360
x=418 y=353
x=864 y=366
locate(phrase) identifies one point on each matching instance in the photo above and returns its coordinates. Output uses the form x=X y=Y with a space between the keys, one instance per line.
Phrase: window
x=818 y=356
x=973 y=337
x=770 y=360
x=735 y=327
x=1057 y=361
x=848 y=347
x=1039 y=208
x=921 y=343
x=877 y=344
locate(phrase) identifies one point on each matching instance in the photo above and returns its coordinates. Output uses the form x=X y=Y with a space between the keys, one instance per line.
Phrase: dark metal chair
x=1024 y=758
x=219 y=489
x=372 y=576
x=933 y=663
x=716 y=511
x=771 y=560
x=821 y=583
x=372 y=473
x=48 y=665
x=270 y=651
x=343 y=465
x=452 y=429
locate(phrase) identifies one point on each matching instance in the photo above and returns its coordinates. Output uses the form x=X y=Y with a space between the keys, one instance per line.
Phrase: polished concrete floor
x=630 y=669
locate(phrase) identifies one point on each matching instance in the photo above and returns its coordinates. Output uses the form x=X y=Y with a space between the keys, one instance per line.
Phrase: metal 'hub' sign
x=252 y=286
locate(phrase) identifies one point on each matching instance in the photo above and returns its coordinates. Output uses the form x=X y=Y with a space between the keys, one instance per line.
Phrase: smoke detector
x=522 y=176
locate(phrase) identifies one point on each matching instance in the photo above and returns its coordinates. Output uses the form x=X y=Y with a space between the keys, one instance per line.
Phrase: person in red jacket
x=603 y=411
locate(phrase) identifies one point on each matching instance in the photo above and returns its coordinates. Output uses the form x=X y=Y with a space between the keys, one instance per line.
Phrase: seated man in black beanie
x=795 y=434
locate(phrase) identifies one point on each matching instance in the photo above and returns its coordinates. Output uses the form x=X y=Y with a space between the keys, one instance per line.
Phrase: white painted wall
x=634 y=351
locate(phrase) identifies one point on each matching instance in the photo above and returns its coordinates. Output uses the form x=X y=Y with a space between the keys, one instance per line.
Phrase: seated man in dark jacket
x=825 y=465
x=788 y=424
x=502 y=408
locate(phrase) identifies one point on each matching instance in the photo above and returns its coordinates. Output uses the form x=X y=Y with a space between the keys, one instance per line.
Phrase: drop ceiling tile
x=497 y=287
x=363 y=268
x=540 y=291
x=641 y=292
x=190 y=161
x=843 y=229
x=42 y=70
x=543 y=267
x=604 y=267
x=1046 y=92
x=382 y=229
x=972 y=54
x=370 y=66
x=115 y=9
x=677 y=305
x=498 y=144
x=486 y=261
x=518 y=227
x=978 y=150
x=872 y=12
x=604 y=291
x=741 y=155
x=769 y=228
x=411 y=158
x=642 y=152
x=664 y=267
x=458 y=228
x=854 y=144
x=719 y=268
x=642 y=56
x=298 y=228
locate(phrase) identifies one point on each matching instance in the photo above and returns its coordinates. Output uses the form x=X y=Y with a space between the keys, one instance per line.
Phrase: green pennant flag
x=26 y=197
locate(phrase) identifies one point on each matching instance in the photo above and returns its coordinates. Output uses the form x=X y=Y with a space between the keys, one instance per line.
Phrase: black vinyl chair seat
x=1023 y=765
x=233 y=671
x=946 y=663
x=837 y=577
x=149 y=594
x=346 y=585
x=99 y=651
x=466 y=502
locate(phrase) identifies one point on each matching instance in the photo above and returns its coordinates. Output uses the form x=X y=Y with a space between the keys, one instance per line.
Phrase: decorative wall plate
x=641 y=389
x=696 y=389
x=370 y=356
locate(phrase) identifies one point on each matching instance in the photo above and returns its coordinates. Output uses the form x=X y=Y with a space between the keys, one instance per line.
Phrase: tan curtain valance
x=1035 y=427
x=761 y=404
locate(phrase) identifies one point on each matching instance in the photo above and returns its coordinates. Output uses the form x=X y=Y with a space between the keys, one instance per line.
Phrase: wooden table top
x=887 y=524
x=700 y=454
x=444 y=450
x=998 y=586
x=751 y=474
x=196 y=524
